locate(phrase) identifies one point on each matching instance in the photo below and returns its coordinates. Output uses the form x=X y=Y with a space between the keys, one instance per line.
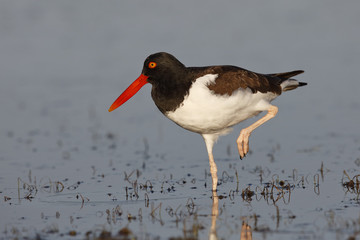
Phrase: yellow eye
x=152 y=64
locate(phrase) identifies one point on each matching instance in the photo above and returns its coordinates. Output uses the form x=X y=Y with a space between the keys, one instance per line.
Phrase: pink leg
x=243 y=139
x=210 y=139
x=213 y=171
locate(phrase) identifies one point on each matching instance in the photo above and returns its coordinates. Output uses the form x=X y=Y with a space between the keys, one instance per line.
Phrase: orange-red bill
x=129 y=92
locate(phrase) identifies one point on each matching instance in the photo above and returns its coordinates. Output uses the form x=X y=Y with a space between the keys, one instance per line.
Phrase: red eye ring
x=152 y=64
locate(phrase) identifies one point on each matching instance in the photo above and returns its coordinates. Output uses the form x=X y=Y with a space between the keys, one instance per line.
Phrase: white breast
x=202 y=111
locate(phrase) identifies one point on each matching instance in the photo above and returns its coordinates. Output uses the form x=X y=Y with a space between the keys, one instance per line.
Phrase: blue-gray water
x=63 y=63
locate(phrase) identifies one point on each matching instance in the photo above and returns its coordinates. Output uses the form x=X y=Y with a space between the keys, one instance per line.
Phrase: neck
x=171 y=91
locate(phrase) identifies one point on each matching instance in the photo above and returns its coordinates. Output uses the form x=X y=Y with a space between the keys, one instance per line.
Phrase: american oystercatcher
x=210 y=100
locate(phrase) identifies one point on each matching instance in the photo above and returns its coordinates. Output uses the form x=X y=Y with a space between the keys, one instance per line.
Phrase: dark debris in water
x=154 y=196
x=351 y=184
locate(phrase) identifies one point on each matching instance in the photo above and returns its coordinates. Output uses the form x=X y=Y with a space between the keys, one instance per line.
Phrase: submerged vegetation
x=150 y=196
x=142 y=200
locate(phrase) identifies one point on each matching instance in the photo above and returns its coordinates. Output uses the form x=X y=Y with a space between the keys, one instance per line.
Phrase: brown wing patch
x=232 y=78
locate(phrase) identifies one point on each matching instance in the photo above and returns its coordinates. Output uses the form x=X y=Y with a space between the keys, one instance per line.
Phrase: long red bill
x=129 y=92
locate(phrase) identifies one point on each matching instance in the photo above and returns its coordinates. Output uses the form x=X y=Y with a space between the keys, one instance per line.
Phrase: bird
x=210 y=100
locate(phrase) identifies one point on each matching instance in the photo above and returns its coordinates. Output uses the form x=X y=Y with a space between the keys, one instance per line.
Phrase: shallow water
x=70 y=168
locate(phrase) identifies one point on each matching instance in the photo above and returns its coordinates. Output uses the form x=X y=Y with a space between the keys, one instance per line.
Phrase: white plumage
x=204 y=112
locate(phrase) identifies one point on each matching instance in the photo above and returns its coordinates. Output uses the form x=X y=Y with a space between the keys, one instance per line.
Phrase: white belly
x=204 y=112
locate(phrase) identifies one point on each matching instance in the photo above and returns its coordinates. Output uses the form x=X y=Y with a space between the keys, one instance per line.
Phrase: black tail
x=286 y=82
x=286 y=75
x=302 y=84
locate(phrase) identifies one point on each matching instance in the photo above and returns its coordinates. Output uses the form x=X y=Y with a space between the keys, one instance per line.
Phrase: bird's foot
x=243 y=143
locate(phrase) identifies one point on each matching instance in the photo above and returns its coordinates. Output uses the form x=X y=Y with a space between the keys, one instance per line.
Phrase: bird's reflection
x=246 y=231
x=214 y=215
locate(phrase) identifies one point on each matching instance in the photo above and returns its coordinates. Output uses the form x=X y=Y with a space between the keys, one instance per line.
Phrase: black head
x=168 y=77
x=162 y=66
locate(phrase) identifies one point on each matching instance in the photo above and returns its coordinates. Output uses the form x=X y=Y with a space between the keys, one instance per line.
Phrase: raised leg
x=243 y=139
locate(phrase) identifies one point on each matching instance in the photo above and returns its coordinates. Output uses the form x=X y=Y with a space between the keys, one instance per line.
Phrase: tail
x=286 y=82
